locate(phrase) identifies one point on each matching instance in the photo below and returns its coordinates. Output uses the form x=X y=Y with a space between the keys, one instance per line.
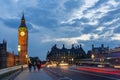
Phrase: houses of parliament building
x=7 y=59
x=57 y=55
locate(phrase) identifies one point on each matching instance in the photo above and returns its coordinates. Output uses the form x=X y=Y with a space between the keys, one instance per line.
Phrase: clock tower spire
x=23 y=41
x=22 y=21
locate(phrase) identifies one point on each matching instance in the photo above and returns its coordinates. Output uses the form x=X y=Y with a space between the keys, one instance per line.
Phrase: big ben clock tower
x=23 y=42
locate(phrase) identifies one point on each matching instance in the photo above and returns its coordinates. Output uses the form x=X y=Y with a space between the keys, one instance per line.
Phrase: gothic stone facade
x=98 y=52
x=66 y=55
x=7 y=59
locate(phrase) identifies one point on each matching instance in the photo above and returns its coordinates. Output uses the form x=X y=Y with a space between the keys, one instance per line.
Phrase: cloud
x=113 y=3
x=61 y=21
x=16 y=7
x=93 y=14
x=116 y=37
x=72 y=4
x=100 y=28
x=106 y=34
x=73 y=40
x=94 y=22
x=111 y=22
x=10 y=35
x=78 y=13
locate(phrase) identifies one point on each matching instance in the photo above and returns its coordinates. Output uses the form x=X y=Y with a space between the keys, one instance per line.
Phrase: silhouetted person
x=34 y=66
x=29 y=66
x=22 y=68
x=39 y=66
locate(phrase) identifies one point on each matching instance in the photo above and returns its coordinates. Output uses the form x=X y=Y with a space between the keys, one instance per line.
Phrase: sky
x=61 y=22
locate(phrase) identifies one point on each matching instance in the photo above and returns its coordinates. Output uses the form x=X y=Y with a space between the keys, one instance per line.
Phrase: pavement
x=33 y=75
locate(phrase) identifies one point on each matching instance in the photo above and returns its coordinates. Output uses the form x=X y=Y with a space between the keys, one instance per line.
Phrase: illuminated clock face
x=22 y=33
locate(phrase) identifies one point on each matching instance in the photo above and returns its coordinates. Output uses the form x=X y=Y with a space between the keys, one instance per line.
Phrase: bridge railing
x=5 y=71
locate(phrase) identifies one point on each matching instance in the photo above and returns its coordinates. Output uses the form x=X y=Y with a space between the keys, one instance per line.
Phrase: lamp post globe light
x=93 y=57
x=27 y=58
x=19 y=49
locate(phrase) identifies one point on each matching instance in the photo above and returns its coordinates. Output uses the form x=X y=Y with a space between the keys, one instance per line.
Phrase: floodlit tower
x=23 y=41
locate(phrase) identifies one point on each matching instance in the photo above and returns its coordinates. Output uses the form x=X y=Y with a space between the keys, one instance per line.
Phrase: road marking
x=55 y=72
x=59 y=75
x=94 y=74
x=65 y=78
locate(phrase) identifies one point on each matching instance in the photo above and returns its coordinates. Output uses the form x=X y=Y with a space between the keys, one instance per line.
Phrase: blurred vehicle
x=63 y=64
x=51 y=65
x=100 y=65
x=117 y=66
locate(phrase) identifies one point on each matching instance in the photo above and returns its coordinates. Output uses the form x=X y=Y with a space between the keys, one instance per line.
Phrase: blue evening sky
x=60 y=22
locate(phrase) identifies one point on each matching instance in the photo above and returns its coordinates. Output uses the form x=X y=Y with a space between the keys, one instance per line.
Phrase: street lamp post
x=27 y=58
x=19 y=49
x=93 y=56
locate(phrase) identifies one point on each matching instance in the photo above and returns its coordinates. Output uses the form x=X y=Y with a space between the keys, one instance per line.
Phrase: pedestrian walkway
x=33 y=75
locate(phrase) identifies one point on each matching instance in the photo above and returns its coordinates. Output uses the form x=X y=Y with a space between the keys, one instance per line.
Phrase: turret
x=63 y=46
x=92 y=46
x=80 y=46
x=4 y=45
x=73 y=46
x=102 y=45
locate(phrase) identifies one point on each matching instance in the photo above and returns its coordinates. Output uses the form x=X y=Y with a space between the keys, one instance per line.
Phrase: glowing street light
x=19 y=48
x=27 y=58
x=92 y=56
x=72 y=59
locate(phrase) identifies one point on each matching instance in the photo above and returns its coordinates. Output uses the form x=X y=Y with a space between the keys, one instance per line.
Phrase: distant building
x=116 y=49
x=66 y=55
x=10 y=59
x=114 y=56
x=114 y=53
x=16 y=57
x=7 y=59
x=3 y=55
x=98 y=52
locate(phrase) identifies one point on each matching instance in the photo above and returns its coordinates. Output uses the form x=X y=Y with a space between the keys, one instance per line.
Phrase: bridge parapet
x=4 y=72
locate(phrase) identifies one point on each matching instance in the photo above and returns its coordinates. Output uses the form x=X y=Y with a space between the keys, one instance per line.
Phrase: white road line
x=64 y=78
x=60 y=75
